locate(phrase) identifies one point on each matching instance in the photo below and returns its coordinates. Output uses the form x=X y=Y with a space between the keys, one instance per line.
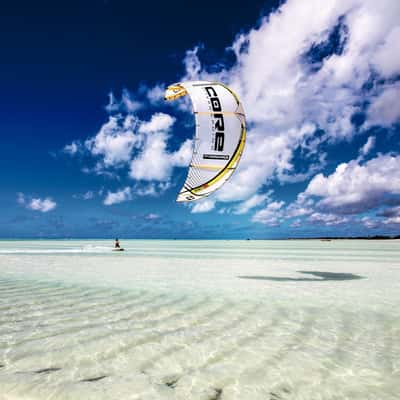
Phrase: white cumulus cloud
x=72 y=148
x=126 y=104
x=252 y=202
x=202 y=206
x=118 y=197
x=154 y=161
x=151 y=188
x=156 y=94
x=114 y=142
x=152 y=217
x=36 y=204
x=159 y=122
x=141 y=146
x=327 y=219
x=368 y=146
x=271 y=215
x=356 y=187
x=385 y=108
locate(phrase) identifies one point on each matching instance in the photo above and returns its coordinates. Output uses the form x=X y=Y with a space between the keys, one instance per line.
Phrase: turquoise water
x=200 y=320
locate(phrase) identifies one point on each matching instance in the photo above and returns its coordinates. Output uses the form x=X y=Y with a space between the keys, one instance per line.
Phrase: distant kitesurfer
x=117 y=246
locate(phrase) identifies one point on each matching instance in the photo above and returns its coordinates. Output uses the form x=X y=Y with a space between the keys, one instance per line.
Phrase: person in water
x=117 y=246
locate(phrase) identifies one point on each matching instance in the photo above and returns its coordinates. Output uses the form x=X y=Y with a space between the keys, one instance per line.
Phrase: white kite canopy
x=220 y=136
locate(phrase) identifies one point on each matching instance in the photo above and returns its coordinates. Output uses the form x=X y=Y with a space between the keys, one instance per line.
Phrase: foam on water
x=200 y=320
x=55 y=250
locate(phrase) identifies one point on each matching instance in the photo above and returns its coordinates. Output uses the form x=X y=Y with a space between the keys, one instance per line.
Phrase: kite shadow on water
x=319 y=276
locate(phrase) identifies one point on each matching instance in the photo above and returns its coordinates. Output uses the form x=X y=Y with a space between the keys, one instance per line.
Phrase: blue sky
x=88 y=148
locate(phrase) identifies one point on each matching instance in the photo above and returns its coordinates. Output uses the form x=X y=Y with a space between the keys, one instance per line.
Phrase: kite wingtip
x=174 y=92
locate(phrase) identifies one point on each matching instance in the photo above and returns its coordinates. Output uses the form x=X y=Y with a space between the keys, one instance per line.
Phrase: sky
x=89 y=148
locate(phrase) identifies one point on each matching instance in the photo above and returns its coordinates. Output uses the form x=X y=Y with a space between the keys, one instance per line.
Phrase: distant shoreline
x=376 y=237
x=321 y=238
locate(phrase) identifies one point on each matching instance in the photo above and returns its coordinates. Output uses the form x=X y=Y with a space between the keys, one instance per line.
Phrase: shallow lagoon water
x=270 y=320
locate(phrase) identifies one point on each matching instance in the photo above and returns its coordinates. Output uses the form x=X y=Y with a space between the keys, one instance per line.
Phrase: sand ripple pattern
x=61 y=341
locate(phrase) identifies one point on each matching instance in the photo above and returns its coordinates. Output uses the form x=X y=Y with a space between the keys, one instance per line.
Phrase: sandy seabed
x=271 y=320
